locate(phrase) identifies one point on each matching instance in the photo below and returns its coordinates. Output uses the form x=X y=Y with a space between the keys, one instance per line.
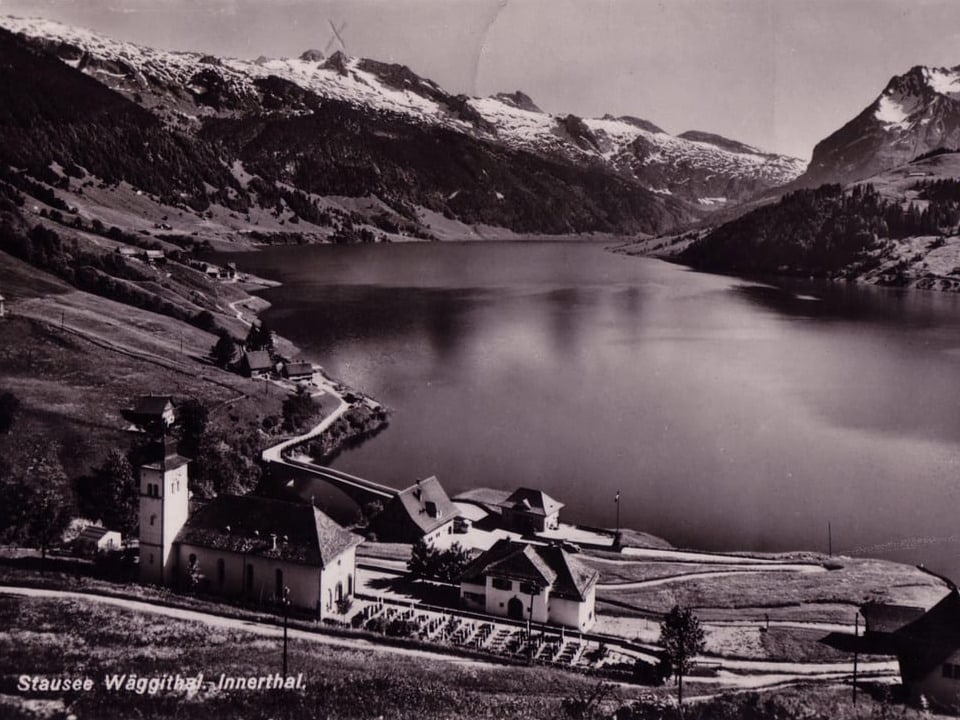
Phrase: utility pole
x=617 y=501
x=286 y=612
x=830 y=539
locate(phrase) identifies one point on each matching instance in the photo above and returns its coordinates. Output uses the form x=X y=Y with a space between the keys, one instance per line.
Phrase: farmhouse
x=257 y=364
x=527 y=510
x=96 y=538
x=298 y=371
x=422 y=511
x=246 y=547
x=152 y=413
x=927 y=646
x=539 y=583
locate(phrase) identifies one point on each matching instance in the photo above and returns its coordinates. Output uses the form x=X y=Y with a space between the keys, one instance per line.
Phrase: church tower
x=164 y=506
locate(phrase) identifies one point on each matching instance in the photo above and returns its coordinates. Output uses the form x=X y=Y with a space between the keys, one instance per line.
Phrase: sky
x=777 y=74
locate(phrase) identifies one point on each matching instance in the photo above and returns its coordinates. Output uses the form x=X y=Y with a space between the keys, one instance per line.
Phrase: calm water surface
x=731 y=415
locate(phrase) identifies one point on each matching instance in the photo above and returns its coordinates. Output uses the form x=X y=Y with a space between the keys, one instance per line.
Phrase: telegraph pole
x=286 y=612
x=617 y=501
x=830 y=539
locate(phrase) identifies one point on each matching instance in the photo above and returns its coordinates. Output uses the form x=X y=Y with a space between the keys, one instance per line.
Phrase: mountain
x=900 y=228
x=917 y=112
x=187 y=89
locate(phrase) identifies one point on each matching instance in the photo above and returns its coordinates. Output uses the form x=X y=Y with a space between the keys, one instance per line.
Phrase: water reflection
x=731 y=414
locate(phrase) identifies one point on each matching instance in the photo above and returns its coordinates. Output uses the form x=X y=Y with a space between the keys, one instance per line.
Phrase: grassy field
x=58 y=637
x=829 y=596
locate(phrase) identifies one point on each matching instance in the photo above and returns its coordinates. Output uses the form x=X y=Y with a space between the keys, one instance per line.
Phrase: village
x=493 y=573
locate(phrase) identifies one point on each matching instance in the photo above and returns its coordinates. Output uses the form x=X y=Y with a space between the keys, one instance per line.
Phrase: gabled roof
x=535 y=502
x=258 y=360
x=425 y=503
x=246 y=524
x=925 y=643
x=298 y=368
x=93 y=533
x=151 y=404
x=543 y=565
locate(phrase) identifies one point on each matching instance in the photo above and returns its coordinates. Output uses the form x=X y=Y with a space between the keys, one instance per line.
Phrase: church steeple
x=164 y=506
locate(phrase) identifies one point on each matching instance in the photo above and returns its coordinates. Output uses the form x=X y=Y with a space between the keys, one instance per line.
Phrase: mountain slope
x=917 y=112
x=900 y=227
x=185 y=88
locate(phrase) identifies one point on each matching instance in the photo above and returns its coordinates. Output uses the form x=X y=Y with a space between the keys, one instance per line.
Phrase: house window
x=951 y=670
x=502 y=584
x=221 y=572
x=153 y=519
x=529 y=589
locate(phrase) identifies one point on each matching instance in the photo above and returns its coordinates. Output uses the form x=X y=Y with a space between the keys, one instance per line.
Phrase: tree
x=299 y=408
x=682 y=638
x=259 y=337
x=9 y=404
x=224 y=351
x=421 y=559
x=116 y=493
x=35 y=502
x=192 y=420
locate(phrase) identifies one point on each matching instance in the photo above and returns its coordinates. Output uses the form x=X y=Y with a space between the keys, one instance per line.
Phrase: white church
x=244 y=547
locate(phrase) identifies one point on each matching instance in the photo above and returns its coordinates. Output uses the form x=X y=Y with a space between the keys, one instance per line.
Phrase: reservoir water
x=730 y=414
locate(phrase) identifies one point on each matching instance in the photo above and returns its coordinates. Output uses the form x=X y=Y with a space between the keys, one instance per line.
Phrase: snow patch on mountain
x=891 y=113
x=946 y=82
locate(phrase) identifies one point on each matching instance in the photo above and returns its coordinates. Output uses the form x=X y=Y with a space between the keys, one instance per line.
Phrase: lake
x=730 y=414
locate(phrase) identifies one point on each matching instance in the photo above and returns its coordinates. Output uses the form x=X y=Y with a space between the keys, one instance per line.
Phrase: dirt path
x=708 y=573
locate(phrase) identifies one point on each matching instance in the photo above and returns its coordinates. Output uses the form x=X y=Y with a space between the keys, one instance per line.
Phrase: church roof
x=546 y=566
x=249 y=523
x=535 y=502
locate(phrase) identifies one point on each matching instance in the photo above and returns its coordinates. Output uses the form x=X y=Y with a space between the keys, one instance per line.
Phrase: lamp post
x=286 y=611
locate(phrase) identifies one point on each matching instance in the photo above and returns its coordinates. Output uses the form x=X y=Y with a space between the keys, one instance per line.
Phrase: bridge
x=359 y=490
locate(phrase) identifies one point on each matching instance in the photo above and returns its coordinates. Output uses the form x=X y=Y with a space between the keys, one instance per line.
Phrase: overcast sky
x=778 y=74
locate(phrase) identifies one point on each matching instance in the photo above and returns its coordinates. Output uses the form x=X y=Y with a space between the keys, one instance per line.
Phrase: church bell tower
x=164 y=506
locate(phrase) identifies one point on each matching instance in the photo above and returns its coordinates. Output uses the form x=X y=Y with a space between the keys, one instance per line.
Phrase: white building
x=528 y=511
x=245 y=547
x=531 y=582
x=96 y=538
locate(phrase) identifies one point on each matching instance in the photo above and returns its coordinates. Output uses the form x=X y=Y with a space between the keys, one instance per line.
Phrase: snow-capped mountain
x=917 y=112
x=186 y=88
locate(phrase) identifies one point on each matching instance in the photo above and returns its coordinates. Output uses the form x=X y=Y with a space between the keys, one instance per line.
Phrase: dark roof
x=258 y=360
x=151 y=404
x=298 y=368
x=426 y=504
x=535 y=502
x=244 y=524
x=540 y=564
x=93 y=533
x=926 y=642
x=888 y=618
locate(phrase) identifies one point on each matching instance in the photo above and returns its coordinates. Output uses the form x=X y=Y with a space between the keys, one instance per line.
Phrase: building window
x=221 y=572
x=151 y=558
x=502 y=584
x=153 y=519
x=529 y=589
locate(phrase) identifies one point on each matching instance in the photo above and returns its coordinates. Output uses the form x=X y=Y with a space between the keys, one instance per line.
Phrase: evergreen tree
x=116 y=493
x=224 y=351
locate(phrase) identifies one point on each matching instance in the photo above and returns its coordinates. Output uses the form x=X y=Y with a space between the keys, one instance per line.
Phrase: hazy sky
x=779 y=74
